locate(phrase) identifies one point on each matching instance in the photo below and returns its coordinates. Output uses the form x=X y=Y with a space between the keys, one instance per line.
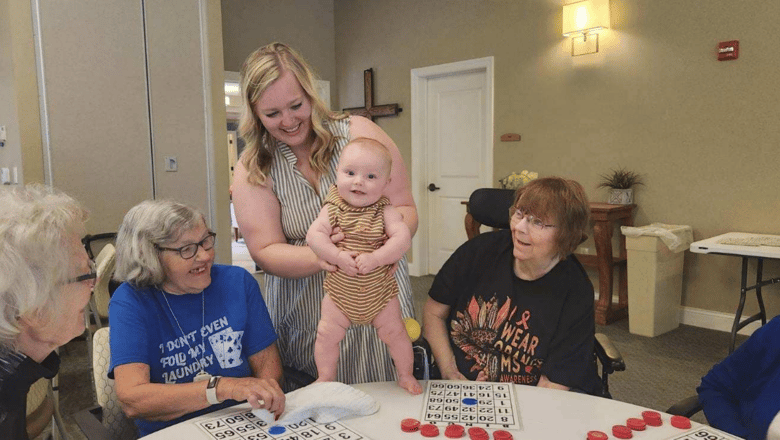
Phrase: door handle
x=432 y=187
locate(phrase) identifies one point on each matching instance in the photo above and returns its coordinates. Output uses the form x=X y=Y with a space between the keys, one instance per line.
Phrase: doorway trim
x=419 y=83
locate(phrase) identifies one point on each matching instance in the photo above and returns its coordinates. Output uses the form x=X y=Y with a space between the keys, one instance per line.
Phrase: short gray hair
x=149 y=224
x=37 y=226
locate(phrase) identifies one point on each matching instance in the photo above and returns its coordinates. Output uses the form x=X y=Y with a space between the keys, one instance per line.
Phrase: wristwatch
x=211 y=390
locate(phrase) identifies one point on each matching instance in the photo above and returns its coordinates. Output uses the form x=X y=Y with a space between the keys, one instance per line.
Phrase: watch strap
x=211 y=390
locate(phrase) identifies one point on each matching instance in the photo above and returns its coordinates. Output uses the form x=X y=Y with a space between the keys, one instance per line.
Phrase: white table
x=713 y=246
x=545 y=414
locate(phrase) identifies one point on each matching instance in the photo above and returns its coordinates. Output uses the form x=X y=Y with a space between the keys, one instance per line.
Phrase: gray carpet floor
x=659 y=371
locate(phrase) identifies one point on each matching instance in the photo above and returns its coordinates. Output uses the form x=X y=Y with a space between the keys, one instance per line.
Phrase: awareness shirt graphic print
x=498 y=340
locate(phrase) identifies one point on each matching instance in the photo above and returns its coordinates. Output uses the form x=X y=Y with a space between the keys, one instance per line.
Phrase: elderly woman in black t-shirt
x=515 y=305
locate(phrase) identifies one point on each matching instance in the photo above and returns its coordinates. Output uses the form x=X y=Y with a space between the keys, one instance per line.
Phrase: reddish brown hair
x=558 y=200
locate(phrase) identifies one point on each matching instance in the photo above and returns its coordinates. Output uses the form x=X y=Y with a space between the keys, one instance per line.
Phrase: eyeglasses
x=190 y=250
x=91 y=276
x=535 y=222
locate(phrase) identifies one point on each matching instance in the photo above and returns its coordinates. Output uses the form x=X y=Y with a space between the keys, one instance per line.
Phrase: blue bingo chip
x=276 y=430
x=469 y=401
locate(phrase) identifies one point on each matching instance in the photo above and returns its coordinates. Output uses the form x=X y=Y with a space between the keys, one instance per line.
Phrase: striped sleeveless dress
x=294 y=304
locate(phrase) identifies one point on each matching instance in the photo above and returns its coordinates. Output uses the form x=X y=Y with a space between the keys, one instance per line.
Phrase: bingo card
x=243 y=425
x=703 y=433
x=485 y=404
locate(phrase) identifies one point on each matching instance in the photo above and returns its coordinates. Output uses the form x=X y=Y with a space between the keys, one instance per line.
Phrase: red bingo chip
x=597 y=435
x=502 y=435
x=636 y=424
x=681 y=422
x=429 y=430
x=477 y=433
x=454 y=431
x=410 y=425
x=652 y=418
x=621 y=431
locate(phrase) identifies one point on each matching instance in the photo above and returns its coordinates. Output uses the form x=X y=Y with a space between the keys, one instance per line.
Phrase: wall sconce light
x=582 y=21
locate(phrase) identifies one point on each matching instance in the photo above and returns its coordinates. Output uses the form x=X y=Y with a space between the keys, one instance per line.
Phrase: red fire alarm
x=728 y=50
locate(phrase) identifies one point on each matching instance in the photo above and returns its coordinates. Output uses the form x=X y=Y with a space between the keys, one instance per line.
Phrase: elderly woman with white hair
x=46 y=283
x=187 y=336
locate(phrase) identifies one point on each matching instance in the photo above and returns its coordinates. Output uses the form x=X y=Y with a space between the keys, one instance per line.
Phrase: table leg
x=742 y=295
x=759 y=297
x=472 y=227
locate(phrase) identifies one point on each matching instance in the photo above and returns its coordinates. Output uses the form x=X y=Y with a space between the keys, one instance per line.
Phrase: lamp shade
x=586 y=17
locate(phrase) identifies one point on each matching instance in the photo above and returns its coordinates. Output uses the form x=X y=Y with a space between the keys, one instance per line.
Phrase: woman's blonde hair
x=259 y=71
x=147 y=225
x=39 y=228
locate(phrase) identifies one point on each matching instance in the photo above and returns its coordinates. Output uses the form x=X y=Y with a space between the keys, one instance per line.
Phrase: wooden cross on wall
x=370 y=110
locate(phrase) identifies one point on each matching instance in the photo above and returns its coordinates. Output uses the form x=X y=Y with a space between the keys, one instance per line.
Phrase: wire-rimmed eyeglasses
x=190 y=250
x=535 y=222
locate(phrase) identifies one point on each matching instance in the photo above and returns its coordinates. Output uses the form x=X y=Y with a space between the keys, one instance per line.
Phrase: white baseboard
x=710 y=320
x=714 y=320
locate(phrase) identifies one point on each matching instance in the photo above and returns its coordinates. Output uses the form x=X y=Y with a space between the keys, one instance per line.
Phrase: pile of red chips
x=453 y=431
x=649 y=418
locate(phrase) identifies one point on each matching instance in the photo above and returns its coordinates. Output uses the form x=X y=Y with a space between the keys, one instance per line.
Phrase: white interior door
x=454 y=130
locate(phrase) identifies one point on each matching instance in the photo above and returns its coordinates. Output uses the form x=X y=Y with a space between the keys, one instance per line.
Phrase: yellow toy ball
x=412 y=329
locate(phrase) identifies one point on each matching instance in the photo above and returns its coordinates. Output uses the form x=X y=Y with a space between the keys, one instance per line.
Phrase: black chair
x=490 y=207
x=686 y=407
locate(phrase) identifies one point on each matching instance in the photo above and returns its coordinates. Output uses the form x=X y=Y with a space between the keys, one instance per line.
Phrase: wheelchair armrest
x=89 y=421
x=608 y=354
x=686 y=407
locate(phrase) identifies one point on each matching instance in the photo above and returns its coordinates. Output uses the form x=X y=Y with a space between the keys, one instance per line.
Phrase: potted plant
x=620 y=182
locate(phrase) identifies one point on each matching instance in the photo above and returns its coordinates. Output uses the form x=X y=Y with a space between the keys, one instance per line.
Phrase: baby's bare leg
x=392 y=332
x=330 y=331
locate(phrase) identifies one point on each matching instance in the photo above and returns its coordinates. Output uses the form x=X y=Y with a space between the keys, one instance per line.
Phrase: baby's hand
x=346 y=263
x=366 y=263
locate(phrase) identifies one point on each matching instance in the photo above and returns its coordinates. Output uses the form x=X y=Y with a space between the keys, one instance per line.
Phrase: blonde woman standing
x=293 y=146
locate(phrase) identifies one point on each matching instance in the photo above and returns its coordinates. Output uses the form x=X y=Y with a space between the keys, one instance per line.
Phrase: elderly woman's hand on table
x=260 y=393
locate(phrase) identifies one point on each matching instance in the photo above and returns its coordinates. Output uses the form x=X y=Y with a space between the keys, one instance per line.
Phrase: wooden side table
x=604 y=217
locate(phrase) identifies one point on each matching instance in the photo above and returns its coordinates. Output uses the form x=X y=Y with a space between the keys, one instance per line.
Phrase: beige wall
x=19 y=111
x=306 y=25
x=654 y=100
x=98 y=114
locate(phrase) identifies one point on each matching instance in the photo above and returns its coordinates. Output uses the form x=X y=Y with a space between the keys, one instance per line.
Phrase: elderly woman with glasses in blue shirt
x=187 y=336
x=45 y=285
x=515 y=305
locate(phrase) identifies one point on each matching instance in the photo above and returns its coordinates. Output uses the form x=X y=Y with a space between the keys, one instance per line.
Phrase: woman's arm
x=544 y=382
x=721 y=388
x=435 y=316
x=266 y=366
x=259 y=217
x=162 y=402
x=398 y=191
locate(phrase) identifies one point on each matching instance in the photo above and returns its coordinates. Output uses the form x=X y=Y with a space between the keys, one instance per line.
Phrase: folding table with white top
x=747 y=246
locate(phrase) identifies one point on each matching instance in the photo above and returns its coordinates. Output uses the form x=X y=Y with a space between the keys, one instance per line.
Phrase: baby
x=361 y=291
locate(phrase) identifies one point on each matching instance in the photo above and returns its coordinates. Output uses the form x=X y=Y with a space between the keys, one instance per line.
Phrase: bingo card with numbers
x=484 y=404
x=243 y=425
x=703 y=433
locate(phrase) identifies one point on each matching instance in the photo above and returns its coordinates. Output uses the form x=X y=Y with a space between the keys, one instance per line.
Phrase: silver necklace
x=202 y=375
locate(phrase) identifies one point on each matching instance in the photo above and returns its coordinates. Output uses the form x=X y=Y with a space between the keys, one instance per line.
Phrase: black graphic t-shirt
x=504 y=329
